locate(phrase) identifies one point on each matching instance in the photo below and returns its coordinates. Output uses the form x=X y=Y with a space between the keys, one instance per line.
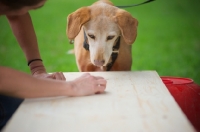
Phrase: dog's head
x=103 y=23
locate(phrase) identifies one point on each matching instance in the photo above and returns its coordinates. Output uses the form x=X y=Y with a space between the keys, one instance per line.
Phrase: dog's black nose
x=99 y=62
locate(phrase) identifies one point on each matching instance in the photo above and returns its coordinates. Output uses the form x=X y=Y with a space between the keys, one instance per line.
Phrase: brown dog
x=102 y=35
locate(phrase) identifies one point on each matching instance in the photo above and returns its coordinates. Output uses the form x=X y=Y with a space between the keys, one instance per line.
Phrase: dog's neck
x=113 y=56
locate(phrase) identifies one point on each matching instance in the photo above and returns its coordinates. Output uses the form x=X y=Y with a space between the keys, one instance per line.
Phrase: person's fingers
x=100 y=89
x=62 y=76
x=101 y=82
x=86 y=75
x=98 y=77
x=59 y=76
x=101 y=86
x=51 y=76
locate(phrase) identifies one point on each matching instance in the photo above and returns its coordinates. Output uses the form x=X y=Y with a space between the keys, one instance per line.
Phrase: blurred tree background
x=168 y=38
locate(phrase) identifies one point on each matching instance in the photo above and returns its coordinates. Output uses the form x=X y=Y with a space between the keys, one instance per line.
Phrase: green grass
x=168 y=38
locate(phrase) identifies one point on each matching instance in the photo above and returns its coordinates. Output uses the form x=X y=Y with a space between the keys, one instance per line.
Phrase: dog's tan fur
x=102 y=19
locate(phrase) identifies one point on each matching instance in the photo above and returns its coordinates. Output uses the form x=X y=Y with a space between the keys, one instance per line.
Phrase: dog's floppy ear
x=75 y=21
x=127 y=24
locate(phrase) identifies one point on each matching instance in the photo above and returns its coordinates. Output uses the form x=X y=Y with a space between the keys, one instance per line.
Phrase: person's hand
x=40 y=72
x=56 y=75
x=88 y=85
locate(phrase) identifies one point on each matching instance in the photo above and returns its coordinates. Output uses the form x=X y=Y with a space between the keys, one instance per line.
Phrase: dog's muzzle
x=114 y=54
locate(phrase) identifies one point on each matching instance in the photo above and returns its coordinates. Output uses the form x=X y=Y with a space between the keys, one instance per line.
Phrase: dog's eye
x=91 y=36
x=110 y=37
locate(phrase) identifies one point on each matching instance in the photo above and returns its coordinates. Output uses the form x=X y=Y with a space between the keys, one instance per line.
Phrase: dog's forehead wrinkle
x=102 y=17
x=103 y=9
x=91 y=32
x=112 y=33
x=102 y=23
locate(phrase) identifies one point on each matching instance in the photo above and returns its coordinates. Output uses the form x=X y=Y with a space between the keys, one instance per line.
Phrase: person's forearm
x=18 y=84
x=24 y=32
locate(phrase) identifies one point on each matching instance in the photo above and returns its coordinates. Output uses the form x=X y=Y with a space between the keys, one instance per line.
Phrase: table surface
x=133 y=102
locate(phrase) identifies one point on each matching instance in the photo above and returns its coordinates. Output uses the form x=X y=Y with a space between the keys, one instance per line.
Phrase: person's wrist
x=37 y=67
x=71 y=89
x=33 y=60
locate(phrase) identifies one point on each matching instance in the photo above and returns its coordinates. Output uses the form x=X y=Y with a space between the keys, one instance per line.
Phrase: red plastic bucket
x=187 y=95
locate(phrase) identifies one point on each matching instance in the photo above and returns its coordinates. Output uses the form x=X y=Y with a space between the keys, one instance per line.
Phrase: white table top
x=133 y=102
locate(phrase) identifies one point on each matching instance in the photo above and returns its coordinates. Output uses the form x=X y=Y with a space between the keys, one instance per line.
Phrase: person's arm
x=18 y=84
x=23 y=30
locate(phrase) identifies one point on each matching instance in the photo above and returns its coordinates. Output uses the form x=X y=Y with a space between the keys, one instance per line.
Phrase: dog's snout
x=99 y=62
